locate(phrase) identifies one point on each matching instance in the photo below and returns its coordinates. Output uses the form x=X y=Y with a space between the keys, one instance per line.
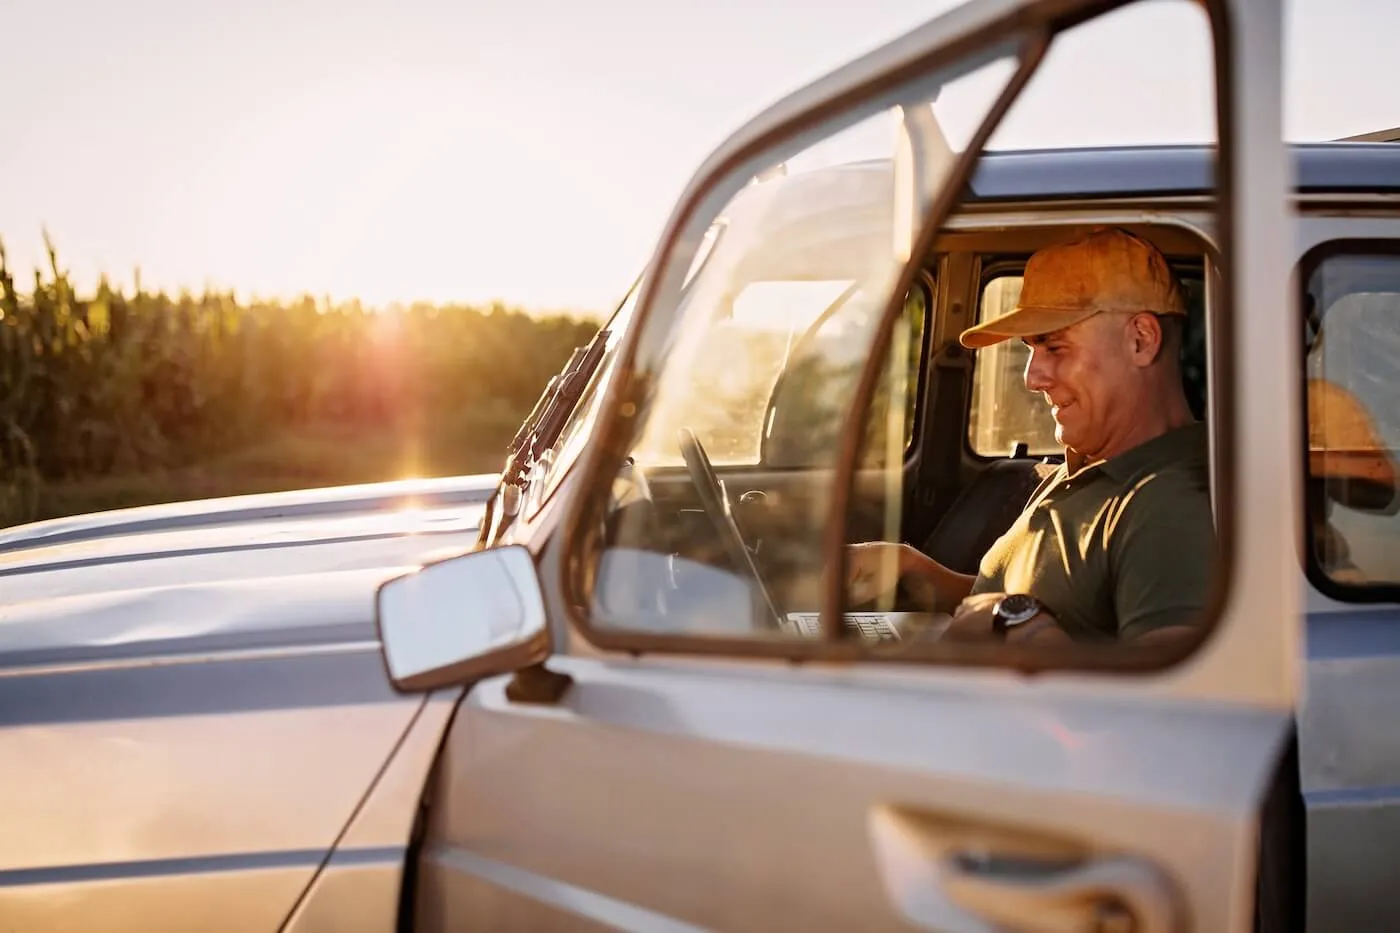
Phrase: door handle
x=1110 y=895
x=957 y=876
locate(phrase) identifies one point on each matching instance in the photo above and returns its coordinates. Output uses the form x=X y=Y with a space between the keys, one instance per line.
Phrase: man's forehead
x=1078 y=329
x=1037 y=339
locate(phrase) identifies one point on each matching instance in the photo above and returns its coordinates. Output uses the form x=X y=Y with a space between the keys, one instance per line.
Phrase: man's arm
x=874 y=568
x=930 y=583
x=972 y=621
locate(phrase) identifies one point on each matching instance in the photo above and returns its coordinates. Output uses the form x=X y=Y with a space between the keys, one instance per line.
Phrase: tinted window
x=1353 y=418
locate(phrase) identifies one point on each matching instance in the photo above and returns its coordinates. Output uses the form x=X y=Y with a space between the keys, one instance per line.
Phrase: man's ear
x=1145 y=338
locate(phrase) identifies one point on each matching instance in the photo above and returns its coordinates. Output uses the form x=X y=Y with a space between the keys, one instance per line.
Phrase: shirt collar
x=1187 y=442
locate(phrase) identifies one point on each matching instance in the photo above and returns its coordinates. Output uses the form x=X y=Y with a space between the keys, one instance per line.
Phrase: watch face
x=1017 y=608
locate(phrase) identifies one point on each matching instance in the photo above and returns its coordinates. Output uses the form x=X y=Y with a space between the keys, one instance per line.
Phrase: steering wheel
x=717 y=508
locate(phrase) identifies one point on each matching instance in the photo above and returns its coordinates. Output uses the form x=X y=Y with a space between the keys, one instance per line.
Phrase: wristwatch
x=1012 y=610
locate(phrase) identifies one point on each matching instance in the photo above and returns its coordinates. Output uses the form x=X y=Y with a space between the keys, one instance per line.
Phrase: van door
x=1348 y=756
x=703 y=771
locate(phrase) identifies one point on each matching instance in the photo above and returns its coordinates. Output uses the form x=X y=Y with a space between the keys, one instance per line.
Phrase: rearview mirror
x=462 y=619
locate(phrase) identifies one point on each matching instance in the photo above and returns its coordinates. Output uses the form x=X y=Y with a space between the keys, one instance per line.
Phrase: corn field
x=114 y=383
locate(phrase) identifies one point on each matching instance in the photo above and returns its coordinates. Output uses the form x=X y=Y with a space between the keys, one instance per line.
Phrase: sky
x=528 y=153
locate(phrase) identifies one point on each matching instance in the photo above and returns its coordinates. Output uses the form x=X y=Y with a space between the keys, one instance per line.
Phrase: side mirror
x=462 y=619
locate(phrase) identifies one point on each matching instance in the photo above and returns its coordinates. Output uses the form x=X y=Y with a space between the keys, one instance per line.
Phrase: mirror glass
x=463 y=610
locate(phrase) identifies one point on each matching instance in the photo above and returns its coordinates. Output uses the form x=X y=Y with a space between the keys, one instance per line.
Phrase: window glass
x=889 y=426
x=741 y=357
x=1353 y=417
x=1003 y=413
x=749 y=383
x=804 y=411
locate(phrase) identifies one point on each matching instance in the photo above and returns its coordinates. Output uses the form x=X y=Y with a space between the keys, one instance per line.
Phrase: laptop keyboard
x=873 y=627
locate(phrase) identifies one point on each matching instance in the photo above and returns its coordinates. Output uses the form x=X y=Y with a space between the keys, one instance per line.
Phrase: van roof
x=815 y=222
x=1137 y=171
x=827 y=195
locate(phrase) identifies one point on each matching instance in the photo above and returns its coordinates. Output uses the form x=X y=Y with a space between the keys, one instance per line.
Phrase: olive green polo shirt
x=1120 y=547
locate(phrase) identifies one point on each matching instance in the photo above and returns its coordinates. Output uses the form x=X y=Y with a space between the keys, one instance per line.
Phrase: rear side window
x=1351 y=303
x=1003 y=412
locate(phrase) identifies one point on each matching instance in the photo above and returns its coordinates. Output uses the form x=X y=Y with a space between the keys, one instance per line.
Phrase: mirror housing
x=462 y=619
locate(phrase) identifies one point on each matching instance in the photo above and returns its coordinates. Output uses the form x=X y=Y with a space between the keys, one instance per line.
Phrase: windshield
x=796 y=249
x=554 y=463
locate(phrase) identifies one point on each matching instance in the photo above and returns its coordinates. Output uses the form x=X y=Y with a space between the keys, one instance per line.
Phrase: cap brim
x=1023 y=322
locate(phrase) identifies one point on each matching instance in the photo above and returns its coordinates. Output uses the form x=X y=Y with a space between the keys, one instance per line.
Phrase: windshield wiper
x=541 y=429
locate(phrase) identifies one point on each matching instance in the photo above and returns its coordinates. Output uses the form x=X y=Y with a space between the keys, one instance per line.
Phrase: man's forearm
x=932 y=584
x=1043 y=631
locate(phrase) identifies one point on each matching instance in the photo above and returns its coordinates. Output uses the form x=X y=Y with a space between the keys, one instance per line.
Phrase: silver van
x=676 y=720
x=620 y=687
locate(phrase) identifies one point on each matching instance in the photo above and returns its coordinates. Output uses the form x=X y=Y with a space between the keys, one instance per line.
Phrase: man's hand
x=972 y=620
x=873 y=571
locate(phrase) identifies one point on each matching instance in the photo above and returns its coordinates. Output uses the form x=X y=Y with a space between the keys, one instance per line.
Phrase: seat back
x=984 y=511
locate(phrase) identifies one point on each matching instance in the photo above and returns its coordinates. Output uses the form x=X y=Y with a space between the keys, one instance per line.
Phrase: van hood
x=239 y=572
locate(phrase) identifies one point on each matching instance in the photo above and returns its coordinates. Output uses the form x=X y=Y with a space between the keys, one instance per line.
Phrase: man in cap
x=1118 y=542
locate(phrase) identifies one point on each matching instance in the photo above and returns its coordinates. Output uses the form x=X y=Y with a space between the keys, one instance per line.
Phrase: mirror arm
x=537 y=684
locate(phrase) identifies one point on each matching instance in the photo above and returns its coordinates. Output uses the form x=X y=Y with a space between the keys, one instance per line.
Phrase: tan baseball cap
x=1108 y=270
x=1342 y=438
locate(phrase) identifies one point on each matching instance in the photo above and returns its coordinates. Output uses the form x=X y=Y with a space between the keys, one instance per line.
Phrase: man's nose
x=1037 y=374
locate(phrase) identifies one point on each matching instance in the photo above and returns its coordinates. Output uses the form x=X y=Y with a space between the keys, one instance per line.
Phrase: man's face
x=1087 y=375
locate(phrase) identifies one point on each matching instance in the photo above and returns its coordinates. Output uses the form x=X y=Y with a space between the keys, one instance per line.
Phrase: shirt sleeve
x=1161 y=552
